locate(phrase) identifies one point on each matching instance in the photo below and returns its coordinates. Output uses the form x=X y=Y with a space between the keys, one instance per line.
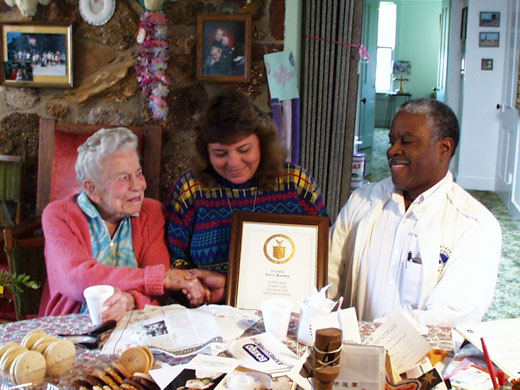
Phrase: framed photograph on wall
x=276 y=255
x=486 y=64
x=224 y=48
x=36 y=55
x=489 y=19
x=489 y=39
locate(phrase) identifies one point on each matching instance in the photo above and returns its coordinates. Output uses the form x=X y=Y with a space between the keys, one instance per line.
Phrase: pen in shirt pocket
x=410 y=258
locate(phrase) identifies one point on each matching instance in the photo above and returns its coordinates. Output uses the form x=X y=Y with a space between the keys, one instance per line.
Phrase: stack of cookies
x=129 y=373
x=37 y=355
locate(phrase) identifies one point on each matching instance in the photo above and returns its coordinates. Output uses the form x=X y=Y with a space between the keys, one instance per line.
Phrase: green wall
x=418 y=40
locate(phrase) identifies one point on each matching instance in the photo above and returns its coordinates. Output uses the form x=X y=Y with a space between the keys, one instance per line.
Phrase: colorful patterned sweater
x=198 y=217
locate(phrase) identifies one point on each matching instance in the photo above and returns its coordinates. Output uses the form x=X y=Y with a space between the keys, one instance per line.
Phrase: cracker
x=135 y=359
x=60 y=356
x=29 y=368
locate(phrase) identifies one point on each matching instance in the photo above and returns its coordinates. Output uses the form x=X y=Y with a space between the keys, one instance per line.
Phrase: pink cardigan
x=71 y=267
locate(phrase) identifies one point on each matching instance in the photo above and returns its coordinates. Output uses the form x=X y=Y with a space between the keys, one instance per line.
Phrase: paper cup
x=307 y=312
x=96 y=297
x=276 y=313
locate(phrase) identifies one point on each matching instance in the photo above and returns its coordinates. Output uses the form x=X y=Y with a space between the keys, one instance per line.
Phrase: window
x=385 y=45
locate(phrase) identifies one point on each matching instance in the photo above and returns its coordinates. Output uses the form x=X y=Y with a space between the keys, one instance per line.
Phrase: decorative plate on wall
x=97 y=12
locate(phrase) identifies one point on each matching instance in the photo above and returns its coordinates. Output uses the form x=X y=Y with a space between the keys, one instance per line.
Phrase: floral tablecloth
x=89 y=360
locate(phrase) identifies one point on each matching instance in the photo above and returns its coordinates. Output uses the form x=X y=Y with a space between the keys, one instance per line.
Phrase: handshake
x=198 y=285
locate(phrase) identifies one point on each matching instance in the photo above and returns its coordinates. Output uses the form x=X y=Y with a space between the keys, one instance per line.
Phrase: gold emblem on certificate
x=279 y=249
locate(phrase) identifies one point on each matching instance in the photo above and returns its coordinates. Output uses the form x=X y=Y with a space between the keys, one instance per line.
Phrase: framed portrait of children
x=276 y=256
x=224 y=48
x=36 y=55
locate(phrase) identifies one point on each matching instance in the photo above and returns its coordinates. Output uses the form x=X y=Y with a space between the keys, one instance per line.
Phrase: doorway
x=421 y=39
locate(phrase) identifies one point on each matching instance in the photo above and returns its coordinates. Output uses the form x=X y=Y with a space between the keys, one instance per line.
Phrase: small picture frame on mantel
x=36 y=55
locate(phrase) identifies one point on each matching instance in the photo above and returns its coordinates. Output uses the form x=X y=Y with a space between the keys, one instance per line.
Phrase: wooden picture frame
x=224 y=48
x=276 y=255
x=36 y=55
x=489 y=39
x=464 y=23
x=489 y=19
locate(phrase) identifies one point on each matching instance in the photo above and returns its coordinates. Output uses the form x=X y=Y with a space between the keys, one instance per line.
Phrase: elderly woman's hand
x=181 y=280
x=117 y=305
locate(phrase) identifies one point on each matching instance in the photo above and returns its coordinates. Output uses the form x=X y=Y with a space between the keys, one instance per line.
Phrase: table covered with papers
x=215 y=325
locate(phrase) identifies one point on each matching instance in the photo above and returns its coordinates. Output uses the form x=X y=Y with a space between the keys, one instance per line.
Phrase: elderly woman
x=239 y=166
x=110 y=234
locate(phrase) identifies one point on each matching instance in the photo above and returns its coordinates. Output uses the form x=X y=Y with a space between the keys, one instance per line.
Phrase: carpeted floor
x=506 y=301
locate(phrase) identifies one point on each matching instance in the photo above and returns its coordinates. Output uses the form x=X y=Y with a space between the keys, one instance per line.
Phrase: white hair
x=100 y=145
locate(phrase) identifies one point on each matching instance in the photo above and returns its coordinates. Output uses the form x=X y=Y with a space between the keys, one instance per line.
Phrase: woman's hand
x=215 y=282
x=117 y=305
x=182 y=280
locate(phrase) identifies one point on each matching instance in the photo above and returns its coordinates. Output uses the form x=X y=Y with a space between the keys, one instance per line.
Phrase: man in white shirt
x=416 y=240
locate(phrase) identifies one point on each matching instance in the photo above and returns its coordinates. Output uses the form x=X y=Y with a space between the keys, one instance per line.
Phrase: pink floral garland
x=152 y=61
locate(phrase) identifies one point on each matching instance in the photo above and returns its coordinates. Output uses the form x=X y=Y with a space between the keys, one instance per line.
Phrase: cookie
x=120 y=370
x=31 y=337
x=95 y=382
x=9 y=356
x=150 y=355
x=107 y=379
x=135 y=359
x=5 y=347
x=149 y=384
x=42 y=342
x=128 y=386
x=114 y=375
x=60 y=356
x=82 y=384
x=29 y=367
x=135 y=383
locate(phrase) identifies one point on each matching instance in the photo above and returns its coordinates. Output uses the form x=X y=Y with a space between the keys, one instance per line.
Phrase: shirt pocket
x=411 y=283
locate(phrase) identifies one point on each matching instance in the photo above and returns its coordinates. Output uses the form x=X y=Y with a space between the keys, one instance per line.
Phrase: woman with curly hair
x=238 y=166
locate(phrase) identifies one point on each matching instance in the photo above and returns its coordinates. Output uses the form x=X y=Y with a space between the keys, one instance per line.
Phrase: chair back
x=11 y=179
x=58 y=151
x=25 y=256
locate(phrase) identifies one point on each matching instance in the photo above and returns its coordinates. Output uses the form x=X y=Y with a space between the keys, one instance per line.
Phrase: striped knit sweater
x=198 y=217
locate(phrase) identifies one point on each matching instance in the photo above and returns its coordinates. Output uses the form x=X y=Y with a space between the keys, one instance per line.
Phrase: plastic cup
x=96 y=297
x=276 y=313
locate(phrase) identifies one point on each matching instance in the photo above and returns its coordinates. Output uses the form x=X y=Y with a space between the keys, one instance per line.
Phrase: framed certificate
x=276 y=255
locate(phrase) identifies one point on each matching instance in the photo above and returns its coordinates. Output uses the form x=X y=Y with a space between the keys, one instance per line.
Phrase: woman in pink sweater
x=110 y=234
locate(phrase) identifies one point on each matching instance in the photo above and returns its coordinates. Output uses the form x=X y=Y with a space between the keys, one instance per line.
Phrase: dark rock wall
x=105 y=85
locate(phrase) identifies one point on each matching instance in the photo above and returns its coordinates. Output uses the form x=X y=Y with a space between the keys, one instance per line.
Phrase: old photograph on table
x=276 y=256
x=37 y=55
